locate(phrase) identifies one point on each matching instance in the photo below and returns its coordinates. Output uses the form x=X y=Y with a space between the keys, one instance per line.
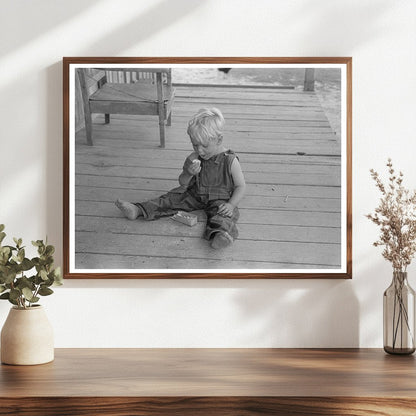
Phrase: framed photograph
x=207 y=168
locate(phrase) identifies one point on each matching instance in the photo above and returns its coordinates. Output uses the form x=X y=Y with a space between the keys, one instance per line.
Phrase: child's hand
x=195 y=168
x=226 y=209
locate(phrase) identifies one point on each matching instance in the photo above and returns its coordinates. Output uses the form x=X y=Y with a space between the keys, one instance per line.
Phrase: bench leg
x=86 y=105
x=162 y=130
x=88 y=126
x=107 y=118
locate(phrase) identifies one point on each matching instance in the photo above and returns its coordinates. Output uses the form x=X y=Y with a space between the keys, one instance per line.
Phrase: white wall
x=380 y=35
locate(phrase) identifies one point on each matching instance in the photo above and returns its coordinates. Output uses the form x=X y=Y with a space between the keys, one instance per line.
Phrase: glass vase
x=399 y=316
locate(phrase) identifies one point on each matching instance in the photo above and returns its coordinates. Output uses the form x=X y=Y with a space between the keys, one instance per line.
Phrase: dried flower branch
x=396 y=217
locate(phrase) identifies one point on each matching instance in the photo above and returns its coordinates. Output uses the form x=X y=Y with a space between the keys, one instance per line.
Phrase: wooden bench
x=126 y=91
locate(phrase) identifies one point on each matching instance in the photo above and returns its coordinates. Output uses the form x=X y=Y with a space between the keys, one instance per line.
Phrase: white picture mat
x=342 y=67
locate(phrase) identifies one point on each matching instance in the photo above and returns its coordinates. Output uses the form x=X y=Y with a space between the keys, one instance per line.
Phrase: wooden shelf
x=212 y=382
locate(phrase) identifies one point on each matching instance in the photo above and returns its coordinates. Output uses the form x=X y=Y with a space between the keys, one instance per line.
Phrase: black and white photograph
x=221 y=168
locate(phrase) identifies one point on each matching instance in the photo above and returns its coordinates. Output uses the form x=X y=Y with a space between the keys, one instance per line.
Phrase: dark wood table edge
x=203 y=405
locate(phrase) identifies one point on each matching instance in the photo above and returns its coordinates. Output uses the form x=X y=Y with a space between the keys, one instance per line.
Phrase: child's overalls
x=211 y=187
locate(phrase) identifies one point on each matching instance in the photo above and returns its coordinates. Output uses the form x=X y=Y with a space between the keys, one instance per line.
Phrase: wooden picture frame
x=289 y=120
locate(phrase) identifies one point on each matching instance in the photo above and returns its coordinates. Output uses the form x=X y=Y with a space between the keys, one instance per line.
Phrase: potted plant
x=396 y=217
x=27 y=336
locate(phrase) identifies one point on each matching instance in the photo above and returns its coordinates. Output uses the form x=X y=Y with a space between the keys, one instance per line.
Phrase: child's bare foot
x=129 y=210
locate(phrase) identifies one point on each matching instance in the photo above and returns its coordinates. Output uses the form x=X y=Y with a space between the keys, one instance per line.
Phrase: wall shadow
x=311 y=17
x=44 y=17
x=302 y=314
x=156 y=18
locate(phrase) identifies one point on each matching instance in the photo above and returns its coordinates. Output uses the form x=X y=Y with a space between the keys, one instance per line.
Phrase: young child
x=211 y=180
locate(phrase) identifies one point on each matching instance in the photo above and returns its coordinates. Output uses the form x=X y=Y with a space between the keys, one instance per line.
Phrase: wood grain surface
x=212 y=381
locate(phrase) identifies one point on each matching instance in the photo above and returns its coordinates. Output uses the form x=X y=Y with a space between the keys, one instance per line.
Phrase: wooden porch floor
x=290 y=215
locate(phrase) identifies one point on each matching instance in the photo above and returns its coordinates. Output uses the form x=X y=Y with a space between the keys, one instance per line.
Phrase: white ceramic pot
x=27 y=337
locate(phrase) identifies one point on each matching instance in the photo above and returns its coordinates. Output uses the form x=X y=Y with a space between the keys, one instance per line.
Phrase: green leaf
x=24 y=282
x=48 y=260
x=2 y=288
x=49 y=250
x=56 y=276
x=7 y=297
x=4 y=257
x=2 y=236
x=26 y=264
x=2 y=227
x=48 y=282
x=5 y=250
x=27 y=293
x=9 y=277
x=45 y=291
x=18 y=242
x=37 y=243
x=37 y=280
x=21 y=255
x=15 y=294
x=14 y=268
x=43 y=275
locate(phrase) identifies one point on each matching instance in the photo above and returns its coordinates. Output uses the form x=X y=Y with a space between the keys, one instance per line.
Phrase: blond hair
x=206 y=125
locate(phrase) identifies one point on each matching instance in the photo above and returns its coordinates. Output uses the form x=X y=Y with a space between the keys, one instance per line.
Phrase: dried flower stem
x=396 y=217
